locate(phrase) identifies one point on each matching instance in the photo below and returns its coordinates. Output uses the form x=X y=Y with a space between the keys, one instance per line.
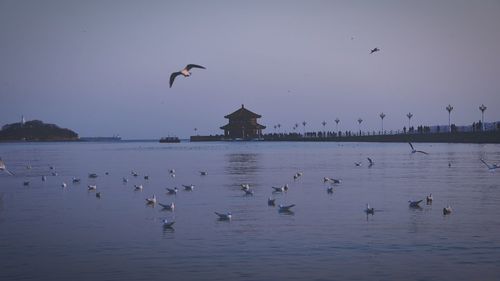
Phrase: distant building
x=243 y=125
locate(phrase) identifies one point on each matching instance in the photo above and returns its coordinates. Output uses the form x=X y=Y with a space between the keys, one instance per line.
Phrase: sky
x=102 y=67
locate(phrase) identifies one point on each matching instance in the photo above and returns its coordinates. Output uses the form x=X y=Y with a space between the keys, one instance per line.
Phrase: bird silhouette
x=184 y=72
x=374 y=50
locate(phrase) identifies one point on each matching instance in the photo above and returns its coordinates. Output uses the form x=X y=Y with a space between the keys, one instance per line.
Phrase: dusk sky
x=102 y=67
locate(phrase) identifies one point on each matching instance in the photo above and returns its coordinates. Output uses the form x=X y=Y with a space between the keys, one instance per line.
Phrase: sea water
x=48 y=232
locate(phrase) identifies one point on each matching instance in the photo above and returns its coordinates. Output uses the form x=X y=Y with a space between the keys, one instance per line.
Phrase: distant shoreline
x=456 y=137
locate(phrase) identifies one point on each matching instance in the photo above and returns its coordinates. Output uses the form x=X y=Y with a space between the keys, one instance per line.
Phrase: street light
x=409 y=115
x=449 y=108
x=324 y=124
x=337 y=120
x=382 y=116
x=304 y=123
x=359 y=126
x=482 y=108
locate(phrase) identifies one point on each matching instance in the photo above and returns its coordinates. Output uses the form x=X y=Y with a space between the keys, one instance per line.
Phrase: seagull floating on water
x=245 y=186
x=169 y=207
x=92 y=187
x=374 y=50
x=271 y=201
x=447 y=210
x=125 y=180
x=146 y=177
x=184 y=72
x=138 y=187
x=332 y=180
x=168 y=224
x=285 y=208
x=414 y=204
x=4 y=168
x=491 y=167
x=171 y=171
x=98 y=195
x=54 y=174
x=429 y=199
x=76 y=180
x=44 y=178
x=26 y=183
x=225 y=217
x=188 y=187
x=93 y=175
x=63 y=185
x=329 y=190
x=151 y=201
x=203 y=173
x=413 y=150
x=280 y=189
x=369 y=210
x=172 y=190
x=358 y=164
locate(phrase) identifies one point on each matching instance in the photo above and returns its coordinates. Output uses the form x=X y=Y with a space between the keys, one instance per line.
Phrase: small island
x=36 y=130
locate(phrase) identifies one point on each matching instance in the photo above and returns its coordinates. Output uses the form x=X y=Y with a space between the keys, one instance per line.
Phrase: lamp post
x=279 y=126
x=359 y=125
x=324 y=124
x=195 y=130
x=409 y=115
x=382 y=116
x=337 y=120
x=449 y=108
x=482 y=108
x=304 y=123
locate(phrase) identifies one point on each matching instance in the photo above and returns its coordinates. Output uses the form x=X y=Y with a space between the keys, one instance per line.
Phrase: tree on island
x=36 y=130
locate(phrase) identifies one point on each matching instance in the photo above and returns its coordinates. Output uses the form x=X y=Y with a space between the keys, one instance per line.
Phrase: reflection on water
x=242 y=163
x=69 y=234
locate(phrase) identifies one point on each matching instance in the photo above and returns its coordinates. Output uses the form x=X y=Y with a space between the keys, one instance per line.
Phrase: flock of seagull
x=227 y=216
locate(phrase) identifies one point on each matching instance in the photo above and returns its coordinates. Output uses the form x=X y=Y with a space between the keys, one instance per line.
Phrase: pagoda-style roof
x=242 y=113
x=238 y=126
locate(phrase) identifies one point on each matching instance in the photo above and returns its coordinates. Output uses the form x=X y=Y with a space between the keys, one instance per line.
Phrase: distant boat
x=170 y=140
x=103 y=139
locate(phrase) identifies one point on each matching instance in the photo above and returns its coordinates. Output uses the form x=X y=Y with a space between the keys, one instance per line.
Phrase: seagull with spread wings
x=185 y=72
x=413 y=150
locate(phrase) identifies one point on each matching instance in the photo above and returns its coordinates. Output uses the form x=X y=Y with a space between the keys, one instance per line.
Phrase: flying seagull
x=374 y=50
x=370 y=161
x=491 y=167
x=185 y=72
x=3 y=168
x=413 y=150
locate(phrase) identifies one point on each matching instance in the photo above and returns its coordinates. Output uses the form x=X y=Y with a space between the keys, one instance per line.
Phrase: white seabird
x=138 y=187
x=188 y=187
x=63 y=185
x=92 y=187
x=227 y=216
x=285 y=208
x=271 y=201
x=429 y=199
x=172 y=190
x=151 y=200
x=203 y=173
x=447 y=210
x=414 y=204
x=4 y=168
x=369 y=210
x=168 y=224
x=413 y=150
x=76 y=180
x=184 y=72
x=491 y=167
x=245 y=186
x=169 y=207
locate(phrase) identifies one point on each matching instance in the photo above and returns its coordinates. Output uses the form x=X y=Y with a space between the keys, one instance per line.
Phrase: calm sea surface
x=52 y=233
